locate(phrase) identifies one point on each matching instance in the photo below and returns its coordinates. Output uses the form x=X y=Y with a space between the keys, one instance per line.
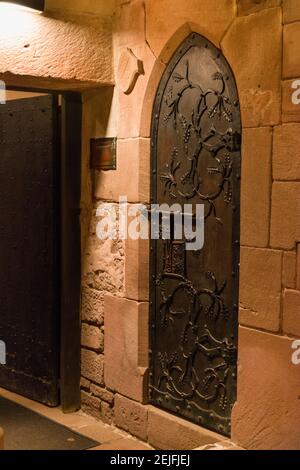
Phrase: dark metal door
x=29 y=247
x=196 y=134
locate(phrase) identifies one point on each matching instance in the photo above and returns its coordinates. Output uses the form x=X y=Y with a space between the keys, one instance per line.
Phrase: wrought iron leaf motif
x=194 y=351
x=179 y=380
x=169 y=178
x=212 y=140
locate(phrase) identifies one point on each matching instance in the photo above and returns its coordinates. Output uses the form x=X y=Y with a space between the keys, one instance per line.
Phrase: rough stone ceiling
x=101 y=7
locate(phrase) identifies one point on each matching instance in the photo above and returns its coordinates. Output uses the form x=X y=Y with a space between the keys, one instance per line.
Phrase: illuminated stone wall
x=85 y=44
x=61 y=48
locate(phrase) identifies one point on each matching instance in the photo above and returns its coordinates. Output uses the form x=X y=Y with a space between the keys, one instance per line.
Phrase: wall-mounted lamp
x=38 y=5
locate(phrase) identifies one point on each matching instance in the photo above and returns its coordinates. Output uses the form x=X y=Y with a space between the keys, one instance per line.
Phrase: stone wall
x=70 y=47
x=268 y=408
x=67 y=47
x=102 y=261
x=259 y=39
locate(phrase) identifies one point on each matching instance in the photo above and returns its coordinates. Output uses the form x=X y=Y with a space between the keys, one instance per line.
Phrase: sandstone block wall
x=267 y=409
x=69 y=46
x=259 y=39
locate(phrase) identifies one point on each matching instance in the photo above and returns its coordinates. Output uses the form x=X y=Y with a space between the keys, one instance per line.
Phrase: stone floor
x=110 y=437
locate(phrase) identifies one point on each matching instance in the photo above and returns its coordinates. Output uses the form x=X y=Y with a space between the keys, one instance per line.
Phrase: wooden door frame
x=70 y=244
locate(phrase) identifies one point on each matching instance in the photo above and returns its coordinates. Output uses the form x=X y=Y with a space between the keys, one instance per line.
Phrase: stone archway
x=239 y=33
x=196 y=141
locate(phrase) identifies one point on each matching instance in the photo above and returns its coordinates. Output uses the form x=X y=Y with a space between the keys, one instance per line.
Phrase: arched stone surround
x=256 y=39
x=251 y=40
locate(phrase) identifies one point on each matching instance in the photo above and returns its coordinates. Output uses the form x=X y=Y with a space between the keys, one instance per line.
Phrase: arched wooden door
x=196 y=137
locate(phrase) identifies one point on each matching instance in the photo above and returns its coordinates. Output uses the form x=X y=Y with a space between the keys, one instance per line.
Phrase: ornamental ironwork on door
x=29 y=247
x=196 y=141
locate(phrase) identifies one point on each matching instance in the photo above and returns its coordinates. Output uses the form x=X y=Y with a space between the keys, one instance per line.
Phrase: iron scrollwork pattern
x=196 y=140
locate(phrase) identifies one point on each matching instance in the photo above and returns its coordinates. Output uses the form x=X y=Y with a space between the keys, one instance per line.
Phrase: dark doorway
x=39 y=214
x=196 y=134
